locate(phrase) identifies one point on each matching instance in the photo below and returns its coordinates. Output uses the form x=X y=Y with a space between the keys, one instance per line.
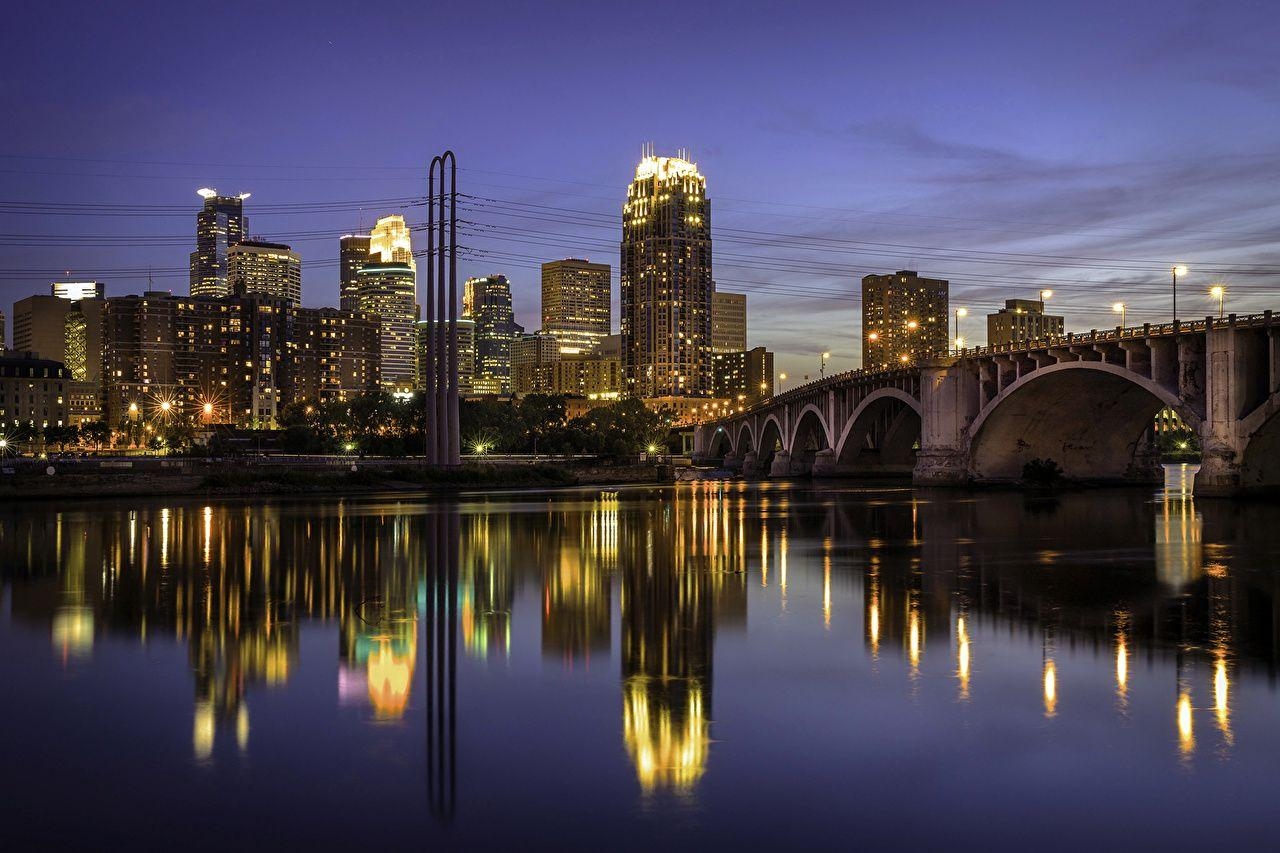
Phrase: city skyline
x=1104 y=172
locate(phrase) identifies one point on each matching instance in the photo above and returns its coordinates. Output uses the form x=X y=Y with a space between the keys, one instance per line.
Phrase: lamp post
x=822 y=364
x=960 y=312
x=782 y=378
x=1178 y=270
x=1219 y=292
x=1044 y=294
x=912 y=325
x=1121 y=309
x=959 y=345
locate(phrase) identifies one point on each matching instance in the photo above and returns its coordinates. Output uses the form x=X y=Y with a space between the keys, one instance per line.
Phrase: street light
x=1178 y=270
x=1044 y=294
x=959 y=345
x=912 y=325
x=1121 y=309
x=782 y=378
x=822 y=364
x=1219 y=293
x=960 y=312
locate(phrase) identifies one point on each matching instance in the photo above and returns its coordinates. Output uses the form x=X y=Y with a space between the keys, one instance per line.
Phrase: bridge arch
x=811 y=432
x=744 y=440
x=880 y=435
x=771 y=439
x=1260 y=461
x=721 y=443
x=1089 y=417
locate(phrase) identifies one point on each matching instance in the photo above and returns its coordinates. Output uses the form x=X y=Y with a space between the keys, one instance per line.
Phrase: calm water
x=704 y=664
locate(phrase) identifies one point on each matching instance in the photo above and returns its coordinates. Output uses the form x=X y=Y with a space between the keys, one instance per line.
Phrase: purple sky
x=1006 y=146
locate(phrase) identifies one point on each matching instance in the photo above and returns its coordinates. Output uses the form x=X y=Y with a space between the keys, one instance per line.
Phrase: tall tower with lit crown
x=667 y=290
x=220 y=224
x=390 y=243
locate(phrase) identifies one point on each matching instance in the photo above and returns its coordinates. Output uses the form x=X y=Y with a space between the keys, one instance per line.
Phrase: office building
x=336 y=355
x=487 y=302
x=75 y=290
x=904 y=319
x=576 y=306
x=744 y=378
x=597 y=377
x=386 y=290
x=256 y=268
x=353 y=254
x=220 y=224
x=1022 y=320
x=32 y=391
x=533 y=357
x=728 y=322
x=389 y=243
x=666 y=280
x=466 y=354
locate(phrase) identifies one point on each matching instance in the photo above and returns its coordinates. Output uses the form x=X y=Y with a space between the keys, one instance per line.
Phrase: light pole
x=960 y=312
x=1121 y=309
x=782 y=378
x=912 y=325
x=1219 y=292
x=1178 y=270
x=822 y=364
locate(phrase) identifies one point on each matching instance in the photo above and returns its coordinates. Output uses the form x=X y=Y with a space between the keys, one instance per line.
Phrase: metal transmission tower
x=443 y=446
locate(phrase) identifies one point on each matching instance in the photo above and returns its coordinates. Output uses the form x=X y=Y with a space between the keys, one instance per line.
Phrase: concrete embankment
x=89 y=478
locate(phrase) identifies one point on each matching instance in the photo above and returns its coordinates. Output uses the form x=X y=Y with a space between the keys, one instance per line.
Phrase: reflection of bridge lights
x=1050 y=688
x=1122 y=665
x=1221 y=690
x=962 y=656
x=1186 y=734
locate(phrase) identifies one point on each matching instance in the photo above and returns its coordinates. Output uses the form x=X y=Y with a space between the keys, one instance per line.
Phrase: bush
x=1041 y=472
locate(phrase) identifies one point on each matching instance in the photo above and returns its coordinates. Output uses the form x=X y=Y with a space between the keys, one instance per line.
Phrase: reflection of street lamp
x=1178 y=270
x=1121 y=309
x=1219 y=293
x=822 y=364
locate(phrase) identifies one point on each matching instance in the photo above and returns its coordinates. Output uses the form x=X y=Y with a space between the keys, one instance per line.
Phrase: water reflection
x=640 y=586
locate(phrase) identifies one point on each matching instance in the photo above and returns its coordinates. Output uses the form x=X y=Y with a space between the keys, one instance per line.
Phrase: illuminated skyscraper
x=220 y=224
x=487 y=301
x=264 y=269
x=353 y=254
x=904 y=319
x=729 y=322
x=666 y=280
x=575 y=304
x=390 y=243
x=387 y=291
x=466 y=354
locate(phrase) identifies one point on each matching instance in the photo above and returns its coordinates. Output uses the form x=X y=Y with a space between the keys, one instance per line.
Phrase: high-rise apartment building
x=336 y=354
x=353 y=254
x=728 y=322
x=220 y=224
x=1022 y=320
x=390 y=243
x=257 y=268
x=904 y=319
x=576 y=306
x=74 y=290
x=666 y=280
x=533 y=357
x=386 y=290
x=466 y=354
x=487 y=302
x=39 y=326
x=744 y=378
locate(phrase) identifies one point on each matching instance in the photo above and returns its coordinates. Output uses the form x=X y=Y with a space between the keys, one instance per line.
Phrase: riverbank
x=234 y=479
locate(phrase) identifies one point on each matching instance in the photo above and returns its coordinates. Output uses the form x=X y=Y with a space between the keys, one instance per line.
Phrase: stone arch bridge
x=1086 y=401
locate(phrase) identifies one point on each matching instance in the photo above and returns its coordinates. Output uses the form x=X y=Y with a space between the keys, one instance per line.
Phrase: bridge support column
x=1223 y=386
x=781 y=466
x=751 y=466
x=732 y=461
x=824 y=463
x=949 y=401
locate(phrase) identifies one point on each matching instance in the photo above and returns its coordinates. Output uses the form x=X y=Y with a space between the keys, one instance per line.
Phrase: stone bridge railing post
x=949 y=401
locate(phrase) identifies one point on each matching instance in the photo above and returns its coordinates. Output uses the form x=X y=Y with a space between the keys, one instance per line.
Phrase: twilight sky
x=1008 y=147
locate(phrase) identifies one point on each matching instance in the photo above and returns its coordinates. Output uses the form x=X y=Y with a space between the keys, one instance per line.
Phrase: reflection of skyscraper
x=486 y=584
x=666 y=280
x=220 y=224
x=577 y=563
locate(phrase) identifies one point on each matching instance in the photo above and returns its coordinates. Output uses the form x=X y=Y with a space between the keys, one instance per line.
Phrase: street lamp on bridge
x=1177 y=270
x=822 y=364
x=960 y=312
x=1121 y=309
x=782 y=378
x=1044 y=294
x=1219 y=292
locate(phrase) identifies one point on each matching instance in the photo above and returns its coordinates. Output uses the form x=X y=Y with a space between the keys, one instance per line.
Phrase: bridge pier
x=950 y=396
x=751 y=467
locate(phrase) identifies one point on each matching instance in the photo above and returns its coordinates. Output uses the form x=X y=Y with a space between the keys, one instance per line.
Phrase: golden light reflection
x=914 y=639
x=1050 y=688
x=962 y=656
x=1122 y=667
x=826 y=588
x=1221 y=698
x=390 y=675
x=668 y=744
x=202 y=734
x=1186 y=734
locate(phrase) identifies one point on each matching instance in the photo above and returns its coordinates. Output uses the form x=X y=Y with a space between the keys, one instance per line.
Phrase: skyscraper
x=74 y=290
x=576 y=307
x=666 y=280
x=264 y=269
x=390 y=242
x=220 y=224
x=353 y=254
x=904 y=319
x=386 y=290
x=729 y=322
x=487 y=301
x=466 y=354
